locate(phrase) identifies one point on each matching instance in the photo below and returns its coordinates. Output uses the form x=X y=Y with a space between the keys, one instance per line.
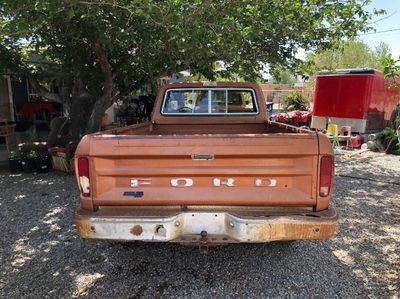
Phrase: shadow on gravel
x=41 y=256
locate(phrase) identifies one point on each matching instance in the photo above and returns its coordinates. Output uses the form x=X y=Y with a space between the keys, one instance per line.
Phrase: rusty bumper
x=210 y=227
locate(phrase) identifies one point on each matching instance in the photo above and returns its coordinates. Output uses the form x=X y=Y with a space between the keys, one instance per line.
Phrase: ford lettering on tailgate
x=215 y=182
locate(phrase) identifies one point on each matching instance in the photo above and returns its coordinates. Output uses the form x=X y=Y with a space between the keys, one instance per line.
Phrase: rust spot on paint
x=84 y=227
x=137 y=230
x=260 y=233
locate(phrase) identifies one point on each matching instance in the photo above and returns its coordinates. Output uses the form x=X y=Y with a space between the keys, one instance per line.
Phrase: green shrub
x=15 y=154
x=295 y=101
x=32 y=154
x=392 y=137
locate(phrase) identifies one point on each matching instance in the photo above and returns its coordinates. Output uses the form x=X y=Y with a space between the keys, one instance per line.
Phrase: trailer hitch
x=203 y=245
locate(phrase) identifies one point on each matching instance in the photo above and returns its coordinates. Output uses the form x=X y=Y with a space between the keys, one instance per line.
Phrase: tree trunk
x=104 y=101
x=77 y=117
x=99 y=108
x=78 y=111
x=65 y=94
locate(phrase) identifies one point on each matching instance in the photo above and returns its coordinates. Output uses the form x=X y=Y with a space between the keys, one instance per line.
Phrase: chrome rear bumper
x=194 y=227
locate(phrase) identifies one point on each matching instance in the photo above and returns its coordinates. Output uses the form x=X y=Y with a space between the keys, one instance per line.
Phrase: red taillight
x=325 y=175
x=83 y=174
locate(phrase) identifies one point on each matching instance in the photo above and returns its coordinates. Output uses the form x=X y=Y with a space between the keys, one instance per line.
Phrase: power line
x=385 y=17
x=383 y=31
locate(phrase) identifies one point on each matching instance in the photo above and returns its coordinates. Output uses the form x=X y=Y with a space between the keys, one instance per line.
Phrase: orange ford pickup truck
x=208 y=169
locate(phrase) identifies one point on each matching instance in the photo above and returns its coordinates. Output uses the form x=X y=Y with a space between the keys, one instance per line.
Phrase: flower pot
x=42 y=164
x=28 y=165
x=14 y=165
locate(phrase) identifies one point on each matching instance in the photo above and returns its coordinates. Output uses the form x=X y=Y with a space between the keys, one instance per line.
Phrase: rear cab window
x=209 y=101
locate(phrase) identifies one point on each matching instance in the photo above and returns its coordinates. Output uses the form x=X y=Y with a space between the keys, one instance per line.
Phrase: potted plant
x=42 y=162
x=15 y=162
x=28 y=162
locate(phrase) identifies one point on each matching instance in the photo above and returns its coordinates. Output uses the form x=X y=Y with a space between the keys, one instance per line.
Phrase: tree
x=348 y=54
x=391 y=70
x=100 y=50
x=282 y=75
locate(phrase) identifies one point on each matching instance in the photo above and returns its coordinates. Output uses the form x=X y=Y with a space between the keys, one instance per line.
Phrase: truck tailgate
x=247 y=169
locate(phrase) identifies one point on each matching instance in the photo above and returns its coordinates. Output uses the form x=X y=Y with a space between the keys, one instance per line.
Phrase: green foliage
x=391 y=66
x=347 y=54
x=392 y=137
x=282 y=75
x=15 y=154
x=147 y=38
x=390 y=131
x=295 y=101
x=391 y=71
x=32 y=154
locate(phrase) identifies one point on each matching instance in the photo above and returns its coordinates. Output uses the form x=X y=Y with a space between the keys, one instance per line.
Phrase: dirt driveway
x=41 y=256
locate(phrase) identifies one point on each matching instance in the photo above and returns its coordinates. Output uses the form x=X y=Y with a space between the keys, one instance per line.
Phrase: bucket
x=356 y=141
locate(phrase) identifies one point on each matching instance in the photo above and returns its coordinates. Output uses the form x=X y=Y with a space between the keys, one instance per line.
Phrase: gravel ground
x=41 y=256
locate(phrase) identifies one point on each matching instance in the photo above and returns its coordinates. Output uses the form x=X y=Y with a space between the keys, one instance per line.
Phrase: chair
x=345 y=134
x=6 y=131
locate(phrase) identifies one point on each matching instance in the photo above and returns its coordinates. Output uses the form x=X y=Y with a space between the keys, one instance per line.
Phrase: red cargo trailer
x=360 y=98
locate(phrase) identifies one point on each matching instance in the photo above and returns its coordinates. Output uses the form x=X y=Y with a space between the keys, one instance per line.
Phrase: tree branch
x=126 y=8
x=105 y=68
x=200 y=9
x=43 y=91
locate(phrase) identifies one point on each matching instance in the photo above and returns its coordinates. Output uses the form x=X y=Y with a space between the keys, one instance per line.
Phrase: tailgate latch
x=203 y=157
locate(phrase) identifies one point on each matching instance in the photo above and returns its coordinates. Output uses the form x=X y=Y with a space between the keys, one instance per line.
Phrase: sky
x=390 y=21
